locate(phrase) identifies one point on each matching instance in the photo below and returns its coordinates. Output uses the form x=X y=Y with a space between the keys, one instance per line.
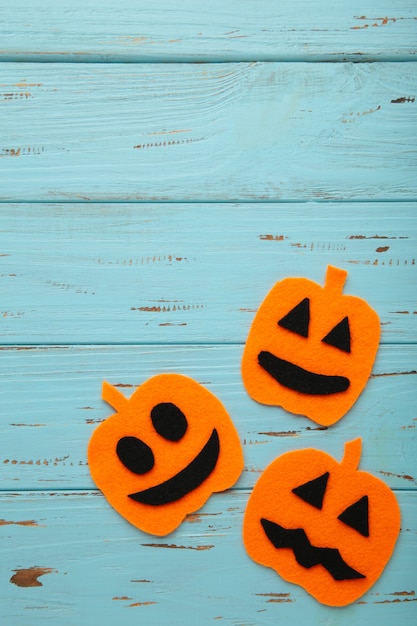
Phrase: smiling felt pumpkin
x=165 y=451
x=310 y=349
x=321 y=524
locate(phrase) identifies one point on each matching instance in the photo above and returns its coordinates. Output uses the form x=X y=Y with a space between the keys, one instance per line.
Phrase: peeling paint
x=21 y=151
x=375 y=237
x=391 y=262
x=272 y=237
x=374 y=22
x=349 y=118
x=143 y=260
x=29 y=577
x=167 y=308
x=142 y=580
x=53 y=462
x=402 y=100
x=19 y=95
x=396 y=600
x=405 y=476
x=166 y=144
x=141 y=604
x=11 y=152
x=394 y=374
x=29 y=522
x=193 y=518
x=276 y=597
x=171 y=132
x=176 y=547
x=29 y=425
x=284 y=433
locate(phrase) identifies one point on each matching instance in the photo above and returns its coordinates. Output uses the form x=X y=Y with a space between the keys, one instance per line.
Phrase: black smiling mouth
x=186 y=480
x=308 y=555
x=298 y=379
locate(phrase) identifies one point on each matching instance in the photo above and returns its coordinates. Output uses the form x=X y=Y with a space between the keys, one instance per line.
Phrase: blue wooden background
x=162 y=165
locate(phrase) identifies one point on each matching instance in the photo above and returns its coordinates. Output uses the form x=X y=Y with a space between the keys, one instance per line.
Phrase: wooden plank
x=218 y=132
x=136 y=30
x=93 y=567
x=51 y=403
x=157 y=273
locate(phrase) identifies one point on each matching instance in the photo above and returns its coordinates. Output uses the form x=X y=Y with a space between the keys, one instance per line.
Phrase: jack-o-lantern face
x=310 y=349
x=165 y=451
x=321 y=524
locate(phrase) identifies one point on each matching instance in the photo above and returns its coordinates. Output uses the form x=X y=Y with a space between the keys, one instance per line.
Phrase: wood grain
x=51 y=403
x=91 y=562
x=162 y=165
x=208 y=132
x=158 y=273
x=236 y=30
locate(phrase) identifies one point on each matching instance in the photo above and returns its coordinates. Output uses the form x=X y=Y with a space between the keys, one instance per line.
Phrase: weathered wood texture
x=92 y=567
x=231 y=30
x=51 y=403
x=162 y=273
x=125 y=252
x=174 y=132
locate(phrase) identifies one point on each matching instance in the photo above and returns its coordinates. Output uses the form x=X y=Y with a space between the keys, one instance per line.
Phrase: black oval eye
x=135 y=454
x=169 y=421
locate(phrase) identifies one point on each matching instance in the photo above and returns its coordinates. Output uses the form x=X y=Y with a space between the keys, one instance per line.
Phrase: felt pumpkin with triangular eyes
x=164 y=452
x=310 y=349
x=323 y=525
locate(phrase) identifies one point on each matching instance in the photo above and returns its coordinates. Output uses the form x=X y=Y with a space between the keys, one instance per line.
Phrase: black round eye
x=135 y=454
x=169 y=421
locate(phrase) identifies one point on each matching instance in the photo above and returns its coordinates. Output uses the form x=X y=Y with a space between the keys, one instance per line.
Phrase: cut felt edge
x=311 y=541
x=310 y=349
x=203 y=457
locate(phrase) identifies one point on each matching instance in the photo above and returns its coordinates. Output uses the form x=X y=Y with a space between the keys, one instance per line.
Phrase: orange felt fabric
x=206 y=418
x=328 y=308
x=273 y=499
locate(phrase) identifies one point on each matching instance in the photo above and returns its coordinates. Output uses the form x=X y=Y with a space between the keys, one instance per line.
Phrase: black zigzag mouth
x=186 y=480
x=298 y=379
x=306 y=554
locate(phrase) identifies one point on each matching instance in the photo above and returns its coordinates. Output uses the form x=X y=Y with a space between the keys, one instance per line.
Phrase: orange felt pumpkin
x=310 y=349
x=321 y=524
x=165 y=451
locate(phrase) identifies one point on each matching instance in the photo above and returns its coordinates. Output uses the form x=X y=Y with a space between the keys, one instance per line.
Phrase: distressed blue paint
x=44 y=441
x=218 y=132
x=156 y=273
x=105 y=570
x=99 y=280
x=236 y=30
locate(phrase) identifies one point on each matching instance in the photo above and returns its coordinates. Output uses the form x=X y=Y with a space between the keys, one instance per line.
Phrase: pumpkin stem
x=113 y=396
x=352 y=455
x=335 y=278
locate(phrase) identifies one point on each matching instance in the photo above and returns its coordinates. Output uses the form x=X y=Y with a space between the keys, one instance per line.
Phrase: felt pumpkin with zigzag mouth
x=324 y=525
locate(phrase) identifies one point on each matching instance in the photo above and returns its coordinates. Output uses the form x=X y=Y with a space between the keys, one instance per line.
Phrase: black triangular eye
x=313 y=491
x=298 y=319
x=356 y=516
x=339 y=336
